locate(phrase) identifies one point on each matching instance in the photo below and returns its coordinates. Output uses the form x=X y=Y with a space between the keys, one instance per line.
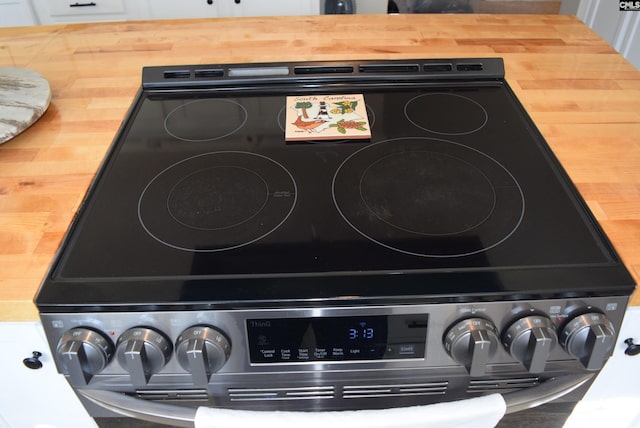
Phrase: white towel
x=481 y=412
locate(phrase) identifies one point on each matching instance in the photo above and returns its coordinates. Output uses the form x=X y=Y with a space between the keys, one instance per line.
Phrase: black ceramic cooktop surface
x=202 y=184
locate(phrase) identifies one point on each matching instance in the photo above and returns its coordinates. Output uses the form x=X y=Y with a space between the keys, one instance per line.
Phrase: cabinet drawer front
x=86 y=7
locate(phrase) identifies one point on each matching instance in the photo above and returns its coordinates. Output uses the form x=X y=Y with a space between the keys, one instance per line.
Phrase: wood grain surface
x=584 y=97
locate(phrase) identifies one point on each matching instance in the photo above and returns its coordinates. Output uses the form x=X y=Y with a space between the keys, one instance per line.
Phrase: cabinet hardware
x=632 y=348
x=33 y=362
x=83 y=4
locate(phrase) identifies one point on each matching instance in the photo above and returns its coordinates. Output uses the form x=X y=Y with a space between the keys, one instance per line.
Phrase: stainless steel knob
x=142 y=352
x=530 y=340
x=472 y=342
x=202 y=351
x=589 y=338
x=82 y=353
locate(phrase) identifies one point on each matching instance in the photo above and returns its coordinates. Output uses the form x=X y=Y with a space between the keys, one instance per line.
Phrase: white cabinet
x=64 y=11
x=621 y=29
x=15 y=13
x=172 y=9
x=34 y=398
x=268 y=8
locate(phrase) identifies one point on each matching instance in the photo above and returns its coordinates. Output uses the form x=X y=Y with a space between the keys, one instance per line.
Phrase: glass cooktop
x=455 y=177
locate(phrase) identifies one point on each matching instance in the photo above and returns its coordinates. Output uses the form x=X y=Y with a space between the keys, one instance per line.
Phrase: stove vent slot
x=212 y=72
x=438 y=68
x=402 y=390
x=177 y=74
x=389 y=68
x=270 y=394
x=470 y=67
x=173 y=395
x=323 y=69
x=501 y=385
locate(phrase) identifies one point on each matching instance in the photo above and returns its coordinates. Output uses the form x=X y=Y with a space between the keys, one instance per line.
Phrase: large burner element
x=428 y=197
x=217 y=201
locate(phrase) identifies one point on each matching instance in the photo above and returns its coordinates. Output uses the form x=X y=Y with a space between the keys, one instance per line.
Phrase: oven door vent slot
x=173 y=395
x=401 y=390
x=270 y=394
x=501 y=385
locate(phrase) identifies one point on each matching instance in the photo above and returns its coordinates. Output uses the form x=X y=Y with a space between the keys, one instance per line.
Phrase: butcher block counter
x=584 y=97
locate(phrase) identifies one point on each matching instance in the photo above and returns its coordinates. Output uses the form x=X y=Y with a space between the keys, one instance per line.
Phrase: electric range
x=216 y=262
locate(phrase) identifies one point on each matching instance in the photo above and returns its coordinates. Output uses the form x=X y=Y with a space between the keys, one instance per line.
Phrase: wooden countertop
x=584 y=97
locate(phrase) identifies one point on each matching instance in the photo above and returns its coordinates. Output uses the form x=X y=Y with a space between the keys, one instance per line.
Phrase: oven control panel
x=193 y=347
x=352 y=338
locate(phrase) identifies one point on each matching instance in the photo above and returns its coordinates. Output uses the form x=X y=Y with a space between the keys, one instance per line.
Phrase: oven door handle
x=180 y=416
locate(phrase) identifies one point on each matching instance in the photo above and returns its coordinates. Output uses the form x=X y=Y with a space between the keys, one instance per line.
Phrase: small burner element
x=428 y=197
x=446 y=114
x=205 y=120
x=217 y=198
x=217 y=201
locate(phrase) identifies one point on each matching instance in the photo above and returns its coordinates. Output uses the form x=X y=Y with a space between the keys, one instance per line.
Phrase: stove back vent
x=312 y=75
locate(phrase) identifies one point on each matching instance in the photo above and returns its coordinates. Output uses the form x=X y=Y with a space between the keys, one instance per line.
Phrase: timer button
x=202 y=350
x=589 y=338
x=142 y=352
x=472 y=342
x=531 y=340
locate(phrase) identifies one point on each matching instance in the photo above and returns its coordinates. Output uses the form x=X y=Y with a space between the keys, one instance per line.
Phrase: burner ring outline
x=230 y=247
x=471 y=131
x=202 y=140
x=255 y=213
x=414 y=253
x=417 y=232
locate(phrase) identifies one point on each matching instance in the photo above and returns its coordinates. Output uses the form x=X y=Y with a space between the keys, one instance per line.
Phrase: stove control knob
x=82 y=353
x=472 y=342
x=142 y=352
x=531 y=340
x=202 y=350
x=589 y=338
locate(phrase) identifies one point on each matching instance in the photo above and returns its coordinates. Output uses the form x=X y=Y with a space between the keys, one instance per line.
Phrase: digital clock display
x=282 y=340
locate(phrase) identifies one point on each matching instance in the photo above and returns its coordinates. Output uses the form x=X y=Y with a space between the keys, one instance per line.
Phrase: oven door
x=180 y=416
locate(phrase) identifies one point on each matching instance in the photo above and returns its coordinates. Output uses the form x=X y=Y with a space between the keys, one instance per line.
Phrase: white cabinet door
x=268 y=8
x=69 y=11
x=621 y=29
x=34 y=398
x=172 y=9
x=15 y=13
x=627 y=41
